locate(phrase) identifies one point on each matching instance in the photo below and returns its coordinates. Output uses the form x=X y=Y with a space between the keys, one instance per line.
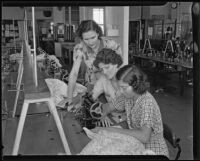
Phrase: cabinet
x=10 y=32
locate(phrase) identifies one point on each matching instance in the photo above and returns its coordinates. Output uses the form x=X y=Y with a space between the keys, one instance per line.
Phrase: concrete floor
x=40 y=136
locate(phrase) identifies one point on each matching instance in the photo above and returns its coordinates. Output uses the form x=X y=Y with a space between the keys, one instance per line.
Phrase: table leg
x=54 y=112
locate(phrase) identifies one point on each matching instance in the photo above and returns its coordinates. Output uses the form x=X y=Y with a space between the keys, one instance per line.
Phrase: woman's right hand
x=105 y=122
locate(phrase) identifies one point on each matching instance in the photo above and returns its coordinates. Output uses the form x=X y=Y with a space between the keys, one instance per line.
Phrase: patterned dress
x=91 y=75
x=104 y=85
x=145 y=112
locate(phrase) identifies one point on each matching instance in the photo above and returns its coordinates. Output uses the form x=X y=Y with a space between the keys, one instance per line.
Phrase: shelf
x=10 y=31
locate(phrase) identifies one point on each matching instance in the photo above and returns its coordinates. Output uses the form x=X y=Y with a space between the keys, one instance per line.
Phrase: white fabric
x=53 y=57
x=110 y=143
x=40 y=57
x=58 y=89
x=50 y=57
x=16 y=56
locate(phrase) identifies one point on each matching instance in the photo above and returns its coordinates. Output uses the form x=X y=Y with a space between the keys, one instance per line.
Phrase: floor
x=40 y=135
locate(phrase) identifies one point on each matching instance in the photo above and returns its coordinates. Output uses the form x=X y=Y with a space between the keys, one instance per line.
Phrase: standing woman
x=90 y=34
x=142 y=111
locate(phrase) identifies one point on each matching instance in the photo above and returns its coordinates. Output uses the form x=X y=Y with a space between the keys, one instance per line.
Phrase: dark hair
x=107 y=56
x=134 y=76
x=88 y=25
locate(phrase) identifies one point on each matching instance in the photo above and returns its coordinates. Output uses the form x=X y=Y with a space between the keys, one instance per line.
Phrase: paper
x=62 y=103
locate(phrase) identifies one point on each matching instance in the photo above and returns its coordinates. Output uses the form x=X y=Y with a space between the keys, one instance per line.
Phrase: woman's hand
x=105 y=121
x=75 y=103
x=79 y=54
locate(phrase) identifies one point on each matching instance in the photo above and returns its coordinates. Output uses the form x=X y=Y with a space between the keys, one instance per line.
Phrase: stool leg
x=18 y=90
x=54 y=112
x=19 y=72
x=20 y=128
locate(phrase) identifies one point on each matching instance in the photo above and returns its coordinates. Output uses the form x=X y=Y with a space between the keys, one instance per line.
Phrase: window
x=98 y=17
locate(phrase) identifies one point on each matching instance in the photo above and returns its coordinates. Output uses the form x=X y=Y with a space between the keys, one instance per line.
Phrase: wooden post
x=34 y=48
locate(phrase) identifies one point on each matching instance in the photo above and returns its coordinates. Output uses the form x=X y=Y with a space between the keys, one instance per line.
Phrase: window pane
x=101 y=20
x=98 y=16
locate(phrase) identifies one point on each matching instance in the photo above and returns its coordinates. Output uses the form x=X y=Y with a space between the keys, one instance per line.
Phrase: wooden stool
x=36 y=94
x=53 y=111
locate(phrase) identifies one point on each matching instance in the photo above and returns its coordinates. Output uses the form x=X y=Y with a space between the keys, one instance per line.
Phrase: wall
x=160 y=10
x=134 y=13
x=118 y=17
x=146 y=12
x=58 y=15
x=39 y=15
x=16 y=13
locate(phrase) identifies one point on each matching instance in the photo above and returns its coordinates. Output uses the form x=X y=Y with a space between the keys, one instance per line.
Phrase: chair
x=171 y=137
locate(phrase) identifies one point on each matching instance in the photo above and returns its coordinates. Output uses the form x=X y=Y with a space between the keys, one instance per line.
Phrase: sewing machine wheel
x=96 y=110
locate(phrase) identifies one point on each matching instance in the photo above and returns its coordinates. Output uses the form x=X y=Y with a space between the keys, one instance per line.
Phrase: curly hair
x=134 y=76
x=107 y=56
x=88 y=25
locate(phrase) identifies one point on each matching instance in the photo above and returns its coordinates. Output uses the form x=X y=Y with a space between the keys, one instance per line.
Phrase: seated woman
x=108 y=61
x=142 y=111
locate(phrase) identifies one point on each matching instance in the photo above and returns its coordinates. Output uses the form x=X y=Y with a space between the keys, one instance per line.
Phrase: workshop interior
x=38 y=54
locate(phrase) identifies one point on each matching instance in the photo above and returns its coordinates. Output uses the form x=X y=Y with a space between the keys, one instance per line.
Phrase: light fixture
x=174 y=5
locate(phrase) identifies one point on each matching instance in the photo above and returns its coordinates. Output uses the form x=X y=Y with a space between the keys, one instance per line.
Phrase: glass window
x=98 y=16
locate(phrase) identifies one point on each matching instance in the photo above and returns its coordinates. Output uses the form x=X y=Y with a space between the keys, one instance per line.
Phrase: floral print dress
x=91 y=75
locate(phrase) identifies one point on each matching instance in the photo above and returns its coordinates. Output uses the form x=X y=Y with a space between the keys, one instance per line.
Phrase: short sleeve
x=147 y=113
x=119 y=103
x=151 y=116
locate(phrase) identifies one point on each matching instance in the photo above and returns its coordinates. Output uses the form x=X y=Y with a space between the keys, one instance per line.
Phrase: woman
x=107 y=61
x=142 y=111
x=90 y=34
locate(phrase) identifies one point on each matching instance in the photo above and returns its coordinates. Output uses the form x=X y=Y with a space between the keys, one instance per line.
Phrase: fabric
x=16 y=57
x=58 y=89
x=50 y=57
x=89 y=56
x=145 y=112
x=110 y=143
